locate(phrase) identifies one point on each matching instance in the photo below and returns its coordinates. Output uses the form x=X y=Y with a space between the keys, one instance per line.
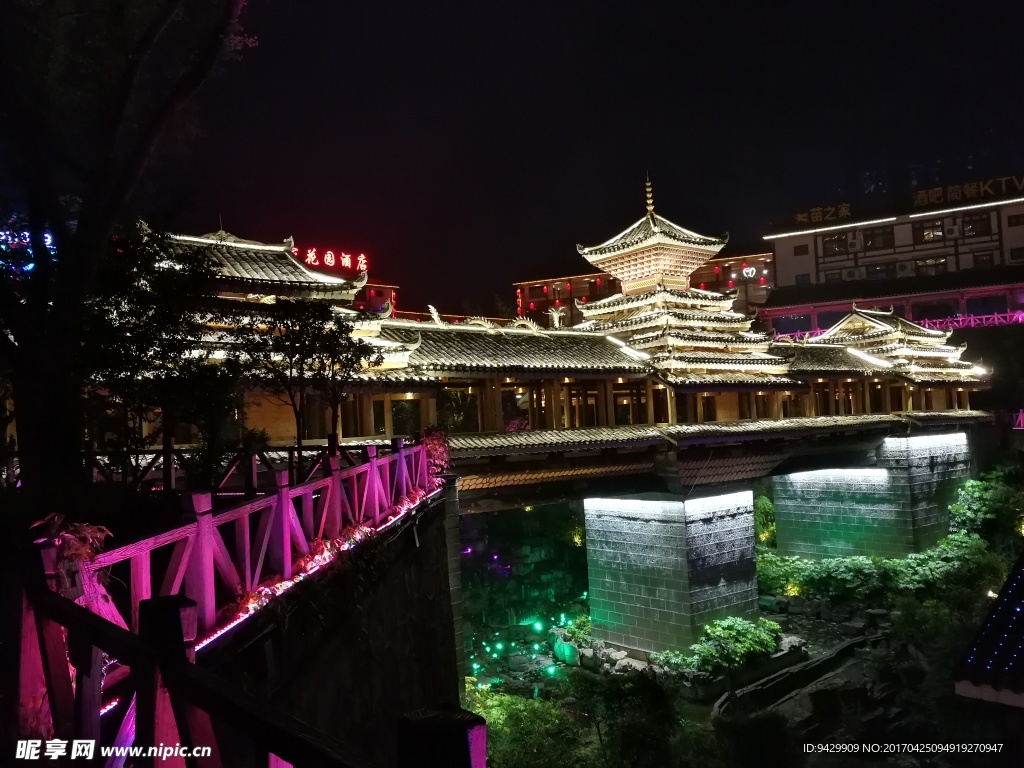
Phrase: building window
x=834 y=245
x=805 y=278
x=877 y=238
x=1017 y=254
x=976 y=225
x=1015 y=220
x=833 y=276
x=886 y=271
x=983 y=260
x=924 y=267
x=928 y=231
x=801 y=250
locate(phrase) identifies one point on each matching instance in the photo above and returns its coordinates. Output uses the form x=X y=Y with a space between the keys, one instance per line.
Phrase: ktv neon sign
x=332 y=260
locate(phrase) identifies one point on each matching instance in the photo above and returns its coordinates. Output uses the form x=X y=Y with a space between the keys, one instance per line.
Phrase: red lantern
x=598 y=281
x=716 y=270
x=761 y=281
x=730 y=283
x=568 y=287
x=744 y=265
x=532 y=305
x=583 y=300
x=702 y=286
x=545 y=289
x=518 y=291
x=519 y=302
x=519 y=310
x=558 y=303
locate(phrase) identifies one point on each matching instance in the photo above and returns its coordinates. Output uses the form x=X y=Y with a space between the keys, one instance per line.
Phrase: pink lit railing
x=973 y=321
x=799 y=335
x=270 y=536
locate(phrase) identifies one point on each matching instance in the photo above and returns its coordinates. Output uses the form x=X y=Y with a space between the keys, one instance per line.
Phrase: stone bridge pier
x=660 y=567
x=898 y=506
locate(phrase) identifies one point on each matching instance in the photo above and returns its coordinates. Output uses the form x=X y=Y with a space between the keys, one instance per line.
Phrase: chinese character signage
x=323 y=260
x=823 y=214
x=973 y=191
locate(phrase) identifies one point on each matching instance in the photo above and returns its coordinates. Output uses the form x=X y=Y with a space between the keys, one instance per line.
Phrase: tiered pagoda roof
x=693 y=336
x=877 y=342
x=256 y=269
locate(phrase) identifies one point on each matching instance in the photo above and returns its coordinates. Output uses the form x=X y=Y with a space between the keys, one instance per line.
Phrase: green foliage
x=525 y=733
x=726 y=644
x=957 y=561
x=580 y=628
x=992 y=507
x=764 y=521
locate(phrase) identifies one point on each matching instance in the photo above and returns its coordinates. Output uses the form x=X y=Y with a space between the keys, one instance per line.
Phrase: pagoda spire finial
x=650 y=196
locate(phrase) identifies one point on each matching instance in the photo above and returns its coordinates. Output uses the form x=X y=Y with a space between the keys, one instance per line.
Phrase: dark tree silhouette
x=89 y=90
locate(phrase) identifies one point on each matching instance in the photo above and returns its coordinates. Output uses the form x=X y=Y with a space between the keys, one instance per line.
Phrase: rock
x=588 y=660
x=788 y=642
x=812 y=608
x=840 y=614
x=781 y=604
x=606 y=669
x=617 y=656
x=624 y=665
x=572 y=654
x=797 y=604
x=555 y=634
x=852 y=628
x=766 y=603
x=825 y=610
x=598 y=645
x=518 y=663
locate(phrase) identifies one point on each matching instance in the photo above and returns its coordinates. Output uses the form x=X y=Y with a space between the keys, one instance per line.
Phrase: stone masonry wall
x=659 y=568
x=891 y=510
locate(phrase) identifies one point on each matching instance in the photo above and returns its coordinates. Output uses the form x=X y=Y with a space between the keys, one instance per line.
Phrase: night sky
x=466 y=146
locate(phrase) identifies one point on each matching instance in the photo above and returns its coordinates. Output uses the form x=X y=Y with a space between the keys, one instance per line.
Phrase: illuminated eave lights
x=833 y=228
x=876 y=361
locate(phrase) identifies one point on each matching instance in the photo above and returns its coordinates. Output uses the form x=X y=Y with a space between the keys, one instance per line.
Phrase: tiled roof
x=530 y=476
x=679 y=379
x=650 y=227
x=546 y=441
x=262 y=264
x=663 y=296
x=673 y=317
x=681 y=435
x=823 y=358
x=727 y=469
x=683 y=337
x=991 y=662
x=471 y=348
x=753 y=360
x=799 y=295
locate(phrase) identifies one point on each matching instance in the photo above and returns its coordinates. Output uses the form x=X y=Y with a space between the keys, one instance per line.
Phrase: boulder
x=825 y=610
x=797 y=604
x=627 y=664
x=852 y=628
x=766 y=603
x=617 y=656
x=781 y=604
x=812 y=608
x=572 y=654
x=588 y=660
x=518 y=663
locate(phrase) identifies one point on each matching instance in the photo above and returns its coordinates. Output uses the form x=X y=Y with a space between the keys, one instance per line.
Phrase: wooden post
x=389 y=420
x=33 y=708
x=442 y=737
x=252 y=465
x=87 y=660
x=886 y=397
x=374 y=495
x=670 y=397
x=609 y=401
x=168 y=626
x=698 y=405
x=428 y=410
x=53 y=652
x=280 y=547
x=401 y=478
x=169 y=478
x=141 y=585
x=332 y=523
x=199 y=585
x=831 y=398
x=649 y=400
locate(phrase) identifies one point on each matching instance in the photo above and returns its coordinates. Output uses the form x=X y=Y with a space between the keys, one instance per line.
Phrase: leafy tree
x=295 y=349
x=89 y=91
x=144 y=324
x=764 y=521
x=525 y=733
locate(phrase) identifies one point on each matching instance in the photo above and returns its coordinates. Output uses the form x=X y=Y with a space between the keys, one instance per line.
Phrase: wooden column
x=366 y=425
x=389 y=426
x=602 y=404
x=567 y=406
x=609 y=400
x=670 y=398
x=831 y=398
x=840 y=399
x=428 y=410
x=966 y=399
x=775 y=405
x=199 y=584
x=550 y=405
x=867 y=395
x=649 y=397
x=698 y=407
x=886 y=397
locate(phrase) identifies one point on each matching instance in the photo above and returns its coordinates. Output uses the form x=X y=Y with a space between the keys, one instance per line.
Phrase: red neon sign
x=331 y=260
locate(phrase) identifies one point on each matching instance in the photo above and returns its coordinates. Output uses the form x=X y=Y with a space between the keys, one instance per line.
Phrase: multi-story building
x=945 y=266
x=536 y=298
x=374 y=297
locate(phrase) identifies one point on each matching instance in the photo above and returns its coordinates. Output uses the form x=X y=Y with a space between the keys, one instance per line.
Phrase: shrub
x=725 y=644
x=579 y=629
x=775 y=572
x=764 y=521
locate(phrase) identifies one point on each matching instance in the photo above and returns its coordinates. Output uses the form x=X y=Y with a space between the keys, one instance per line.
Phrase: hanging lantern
x=730 y=283
x=568 y=287
x=532 y=305
x=545 y=289
x=761 y=281
x=598 y=281
x=558 y=303
x=583 y=300
x=716 y=270
x=702 y=286
x=518 y=291
x=519 y=310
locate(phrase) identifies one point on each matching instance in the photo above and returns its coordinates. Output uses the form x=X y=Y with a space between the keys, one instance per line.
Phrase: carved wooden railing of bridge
x=236 y=548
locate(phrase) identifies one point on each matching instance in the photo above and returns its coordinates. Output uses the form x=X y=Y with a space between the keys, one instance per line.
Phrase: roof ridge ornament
x=650 y=196
x=525 y=322
x=556 y=314
x=434 y=314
